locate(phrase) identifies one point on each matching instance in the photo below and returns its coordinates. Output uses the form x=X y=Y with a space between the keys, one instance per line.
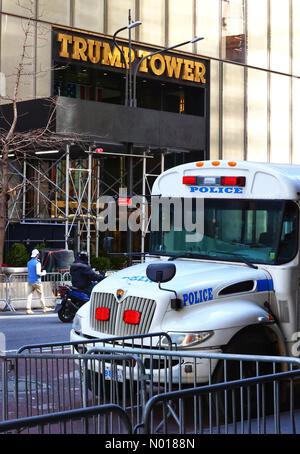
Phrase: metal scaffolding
x=63 y=187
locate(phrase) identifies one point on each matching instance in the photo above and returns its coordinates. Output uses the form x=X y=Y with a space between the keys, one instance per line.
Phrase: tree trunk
x=3 y=200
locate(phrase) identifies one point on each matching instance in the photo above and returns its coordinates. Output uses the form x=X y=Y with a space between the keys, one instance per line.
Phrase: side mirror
x=161 y=272
x=107 y=244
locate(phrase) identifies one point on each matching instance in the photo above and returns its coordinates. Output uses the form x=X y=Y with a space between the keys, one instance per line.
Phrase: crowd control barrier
x=104 y=419
x=216 y=393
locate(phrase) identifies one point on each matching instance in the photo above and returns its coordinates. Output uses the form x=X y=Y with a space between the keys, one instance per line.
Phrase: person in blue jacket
x=34 y=281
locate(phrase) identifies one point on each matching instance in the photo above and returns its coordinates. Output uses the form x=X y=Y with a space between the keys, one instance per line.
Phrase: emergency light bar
x=214 y=181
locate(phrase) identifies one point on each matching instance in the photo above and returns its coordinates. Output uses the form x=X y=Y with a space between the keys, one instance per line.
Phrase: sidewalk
x=8 y=313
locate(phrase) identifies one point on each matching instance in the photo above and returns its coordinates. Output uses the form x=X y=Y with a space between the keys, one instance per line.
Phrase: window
x=233 y=32
x=258 y=231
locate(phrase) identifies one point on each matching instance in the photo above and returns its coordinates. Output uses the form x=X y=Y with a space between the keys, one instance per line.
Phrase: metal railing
x=54 y=377
x=150 y=340
x=232 y=411
x=34 y=385
x=14 y=288
x=4 y=293
x=116 y=371
x=104 y=419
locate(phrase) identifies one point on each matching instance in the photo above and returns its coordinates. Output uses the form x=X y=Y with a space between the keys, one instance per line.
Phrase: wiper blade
x=243 y=259
x=187 y=255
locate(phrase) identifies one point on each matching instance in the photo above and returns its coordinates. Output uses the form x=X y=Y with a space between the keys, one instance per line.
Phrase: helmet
x=84 y=256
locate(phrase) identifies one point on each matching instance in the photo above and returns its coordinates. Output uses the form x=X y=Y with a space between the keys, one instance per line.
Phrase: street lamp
x=129 y=27
x=128 y=97
x=137 y=65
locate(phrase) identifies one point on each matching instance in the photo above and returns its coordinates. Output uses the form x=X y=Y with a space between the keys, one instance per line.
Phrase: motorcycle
x=71 y=300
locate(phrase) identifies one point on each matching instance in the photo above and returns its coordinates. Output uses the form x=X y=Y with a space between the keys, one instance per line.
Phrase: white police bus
x=237 y=288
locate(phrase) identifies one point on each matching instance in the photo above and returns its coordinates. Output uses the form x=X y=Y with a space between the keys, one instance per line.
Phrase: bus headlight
x=186 y=340
x=77 y=324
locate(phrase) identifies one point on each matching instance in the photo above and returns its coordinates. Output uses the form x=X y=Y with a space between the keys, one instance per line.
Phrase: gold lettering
x=173 y=66
x=200 y=71
x=65 y=40
x=143 y=68
x=189 y=66
x=158 y=70
x=111 y=58
x=94 y=51
x=79 y=48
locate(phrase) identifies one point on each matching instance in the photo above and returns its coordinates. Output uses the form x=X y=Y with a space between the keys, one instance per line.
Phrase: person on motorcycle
x=82 y=274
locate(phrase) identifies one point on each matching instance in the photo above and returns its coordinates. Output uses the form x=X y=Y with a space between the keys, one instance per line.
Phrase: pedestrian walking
x=34 y=281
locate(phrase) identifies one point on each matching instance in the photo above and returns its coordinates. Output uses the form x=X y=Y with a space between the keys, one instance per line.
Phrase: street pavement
x=20 y=329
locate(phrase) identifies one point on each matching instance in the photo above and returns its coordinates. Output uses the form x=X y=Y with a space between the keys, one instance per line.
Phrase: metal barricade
x=66 y=278
x=103 y=419
x=18 y=289
x=34 y=384
x=265 y=414
x=151 y=340
x=167 y=370
x=4 y=299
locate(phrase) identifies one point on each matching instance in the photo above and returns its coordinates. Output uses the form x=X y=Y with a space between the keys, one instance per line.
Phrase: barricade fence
x=14 y=289
x=76 y=374
x=104 y=419
x=227 y=408
x=3 y=292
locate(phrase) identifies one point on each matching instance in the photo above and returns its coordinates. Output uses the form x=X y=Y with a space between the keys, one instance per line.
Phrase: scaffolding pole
x=89 y=207
x=98 y=206
x=67 y=197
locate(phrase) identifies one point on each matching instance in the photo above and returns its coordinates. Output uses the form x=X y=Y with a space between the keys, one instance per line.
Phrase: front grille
x=116 y=325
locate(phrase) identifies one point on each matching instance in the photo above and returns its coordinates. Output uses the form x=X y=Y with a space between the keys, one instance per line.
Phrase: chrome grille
x=116 y=325
x=104 y=300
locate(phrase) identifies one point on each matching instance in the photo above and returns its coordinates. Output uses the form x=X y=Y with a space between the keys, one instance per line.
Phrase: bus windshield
x=257 y=231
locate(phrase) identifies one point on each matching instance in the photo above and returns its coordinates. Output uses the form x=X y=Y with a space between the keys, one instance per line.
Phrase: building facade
x=236 y=90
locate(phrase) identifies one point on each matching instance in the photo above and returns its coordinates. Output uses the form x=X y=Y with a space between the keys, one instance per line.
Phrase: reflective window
x=118 y=16
x=13 y=32
x=44 y=60
x=296 y=36
x=257 y=118
x=295 y=125
x=152 y=14
x=233 y=30
x=257 y=42
x=257 y=231
x=24 y=8
x=280 y=119
x=233 y=112
x=280 y=40
x=89 y=15
x=55 y=11
x=208 y=25
x=181 y=13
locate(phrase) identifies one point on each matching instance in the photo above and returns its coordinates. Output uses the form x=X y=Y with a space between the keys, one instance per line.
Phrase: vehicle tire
x=66 y=314
x=245 y=404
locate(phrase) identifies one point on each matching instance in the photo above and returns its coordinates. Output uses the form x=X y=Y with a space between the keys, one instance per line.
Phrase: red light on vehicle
x=124 y=202
x=102 y=314
x=233 y=181
x=189 y=180
x=132 y=317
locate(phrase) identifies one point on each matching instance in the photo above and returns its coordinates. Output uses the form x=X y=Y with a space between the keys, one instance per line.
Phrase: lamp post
x=128 y=100
x=137 y=65
x=128 y=27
